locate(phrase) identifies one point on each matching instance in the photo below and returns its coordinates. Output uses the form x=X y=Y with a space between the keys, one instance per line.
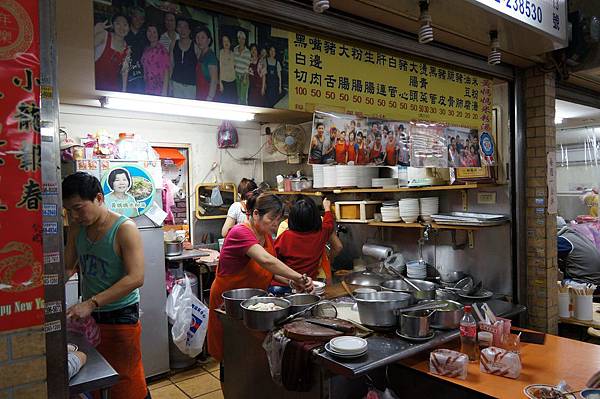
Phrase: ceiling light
x=495 y=56
x=425 y=31
x=320 y=5
x=176 y=106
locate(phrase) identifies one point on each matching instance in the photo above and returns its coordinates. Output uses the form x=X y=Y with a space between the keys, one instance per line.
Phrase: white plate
x=528 y=391
x=342 y=355
x=348 y=345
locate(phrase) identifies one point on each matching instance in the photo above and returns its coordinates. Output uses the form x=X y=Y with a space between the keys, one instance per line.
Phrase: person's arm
x=71 y=251
x=264 y=84
x=125 y=68
x=228 y=225
x=100 y=33
x=313 y=142
x=221 y=68
x=282 y=273
x=172 y=63
x=335 y=246
x=214 y=78
x=75 y=361
x=132 y=254
x=279 y=75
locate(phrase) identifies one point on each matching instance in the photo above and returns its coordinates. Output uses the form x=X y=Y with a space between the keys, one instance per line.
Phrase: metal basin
x=447 y=318
x=378 y=309
x=398 y=285
x=264 y=320
x=302 y=301
x=234 y=298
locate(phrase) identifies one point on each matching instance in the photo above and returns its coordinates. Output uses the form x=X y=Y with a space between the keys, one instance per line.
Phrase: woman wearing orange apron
x=247 y=261
x=362 y=157
x=391 y=157
x=352 y=147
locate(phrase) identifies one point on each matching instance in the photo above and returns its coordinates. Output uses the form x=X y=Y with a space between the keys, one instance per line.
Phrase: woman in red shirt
x=341 y=149
x=301 y=247
x=352 y=147
x=112 y=55
x=377 y=153
x=362 y=157
x=391 y=154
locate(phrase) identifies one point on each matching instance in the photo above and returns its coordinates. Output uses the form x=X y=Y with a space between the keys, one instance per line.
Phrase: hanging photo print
x=463 y=147
x=128 y=190
x=395 y=142
x=338 y=139
x=428 y=145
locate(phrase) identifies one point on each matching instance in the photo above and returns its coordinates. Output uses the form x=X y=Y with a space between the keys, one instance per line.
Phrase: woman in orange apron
x=391 y=153
x=352 y=147
x=247 y=261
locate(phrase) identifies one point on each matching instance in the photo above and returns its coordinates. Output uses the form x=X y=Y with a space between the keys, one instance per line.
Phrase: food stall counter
x=558 y=359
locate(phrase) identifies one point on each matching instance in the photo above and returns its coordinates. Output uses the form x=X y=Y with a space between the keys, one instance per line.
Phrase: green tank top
x=100 y=267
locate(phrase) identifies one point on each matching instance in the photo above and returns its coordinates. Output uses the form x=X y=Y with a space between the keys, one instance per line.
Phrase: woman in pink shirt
x=156 y=62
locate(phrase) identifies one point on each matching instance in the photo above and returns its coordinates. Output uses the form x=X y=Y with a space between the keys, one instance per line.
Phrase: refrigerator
x=153 y=296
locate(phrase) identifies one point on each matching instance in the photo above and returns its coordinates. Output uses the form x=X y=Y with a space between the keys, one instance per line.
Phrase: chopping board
x=301 y=330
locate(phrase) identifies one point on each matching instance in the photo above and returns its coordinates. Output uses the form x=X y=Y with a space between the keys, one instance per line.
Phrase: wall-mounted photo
x=338 y=139
x=164 y=49
x=128 y=190
x=463 y=147
x=388 y=142
x=428 y=145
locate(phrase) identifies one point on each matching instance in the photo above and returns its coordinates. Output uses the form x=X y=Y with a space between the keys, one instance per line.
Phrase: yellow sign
x=336 y=76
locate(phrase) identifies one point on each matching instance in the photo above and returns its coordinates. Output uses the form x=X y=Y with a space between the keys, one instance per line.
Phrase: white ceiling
x=569 y=114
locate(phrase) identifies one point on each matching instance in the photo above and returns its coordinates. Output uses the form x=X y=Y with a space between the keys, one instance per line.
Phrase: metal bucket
x=234 y=298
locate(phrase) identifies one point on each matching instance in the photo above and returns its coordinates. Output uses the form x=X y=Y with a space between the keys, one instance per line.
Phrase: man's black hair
x=82 y=184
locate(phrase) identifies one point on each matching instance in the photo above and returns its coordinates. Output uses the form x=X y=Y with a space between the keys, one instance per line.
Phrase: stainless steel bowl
x=378 y=309
x=264 y=320
x=452 y=277
x=416 y=324
x=447 y=318
x=302 y=301
x=234 y=298
x=399 y=285
x=364 y=279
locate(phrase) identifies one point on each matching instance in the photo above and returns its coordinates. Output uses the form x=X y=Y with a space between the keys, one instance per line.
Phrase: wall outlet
x=486 y=198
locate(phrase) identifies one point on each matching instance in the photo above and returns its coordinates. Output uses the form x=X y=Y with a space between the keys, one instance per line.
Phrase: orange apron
x=390 y=158
x=121 y=347
x=326 y=266
x=251 y=276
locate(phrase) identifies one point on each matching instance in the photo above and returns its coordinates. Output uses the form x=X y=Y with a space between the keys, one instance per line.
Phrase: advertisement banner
x=336 y=76
x=21 y=257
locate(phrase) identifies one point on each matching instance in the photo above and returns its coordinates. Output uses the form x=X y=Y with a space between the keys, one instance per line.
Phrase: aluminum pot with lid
x=302 y=301
x=416 y=324
x=378 y=309
x=233 y=299
x=447 y=318
x=173 y=248
x=399 y=285
x=264 y=320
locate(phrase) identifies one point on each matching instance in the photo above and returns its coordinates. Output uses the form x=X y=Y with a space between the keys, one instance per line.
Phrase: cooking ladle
x=407 y=281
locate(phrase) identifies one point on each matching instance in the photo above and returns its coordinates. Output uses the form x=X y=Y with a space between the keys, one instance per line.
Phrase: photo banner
x=340 y=77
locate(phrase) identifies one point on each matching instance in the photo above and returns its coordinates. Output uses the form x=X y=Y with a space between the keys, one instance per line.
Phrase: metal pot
x=378 y=309
x=398 y=285
x=264 y=320
x=416 y=324
x=452 y=277
x=173 y=248
x=447 y=295
x=364 y=279
x=447 y=318
x=234 y=298
x=302 y=301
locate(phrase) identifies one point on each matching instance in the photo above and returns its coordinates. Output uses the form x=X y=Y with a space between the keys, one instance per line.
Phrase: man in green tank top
x=106 y=249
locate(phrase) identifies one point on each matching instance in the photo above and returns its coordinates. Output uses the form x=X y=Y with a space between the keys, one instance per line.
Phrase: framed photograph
x=463 y=147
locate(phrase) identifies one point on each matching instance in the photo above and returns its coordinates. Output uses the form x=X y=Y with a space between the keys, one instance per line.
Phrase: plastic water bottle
x=468 y=335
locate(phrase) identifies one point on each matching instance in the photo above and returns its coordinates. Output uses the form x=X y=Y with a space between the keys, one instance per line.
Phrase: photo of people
x=394 y=139
x=428 y=145
x=165 y=49
x=118 y=199
x=463 y=147
x=338 y=139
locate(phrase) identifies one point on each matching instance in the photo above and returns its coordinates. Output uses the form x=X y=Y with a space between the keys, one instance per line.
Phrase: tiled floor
x=200 y=382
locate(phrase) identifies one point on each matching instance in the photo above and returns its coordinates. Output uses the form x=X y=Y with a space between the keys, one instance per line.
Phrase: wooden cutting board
x=300 y=330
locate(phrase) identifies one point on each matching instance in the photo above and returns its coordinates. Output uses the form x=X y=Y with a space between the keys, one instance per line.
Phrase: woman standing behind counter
x=237 y=211
x=248 y=260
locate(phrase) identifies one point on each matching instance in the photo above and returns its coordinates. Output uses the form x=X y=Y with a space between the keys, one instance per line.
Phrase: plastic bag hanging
x=227 y=136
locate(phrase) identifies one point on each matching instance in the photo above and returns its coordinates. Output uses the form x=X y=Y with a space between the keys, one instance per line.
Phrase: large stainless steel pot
x=302 y=301
x=234 y=298
x=264 y=320
x=447 y=318
x=398 y=285
x=416 y=324
x=378 y=309
x=173 y=248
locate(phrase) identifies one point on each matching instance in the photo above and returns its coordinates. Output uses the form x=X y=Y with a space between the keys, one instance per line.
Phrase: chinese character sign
x=21 y=257
x=356 y=80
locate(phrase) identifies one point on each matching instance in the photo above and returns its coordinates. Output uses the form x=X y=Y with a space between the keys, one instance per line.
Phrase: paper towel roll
x=377 y=251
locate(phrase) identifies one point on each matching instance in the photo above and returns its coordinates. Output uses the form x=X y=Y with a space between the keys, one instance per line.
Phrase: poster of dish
x=338 y=139
x=128 y=190
x=463 y=147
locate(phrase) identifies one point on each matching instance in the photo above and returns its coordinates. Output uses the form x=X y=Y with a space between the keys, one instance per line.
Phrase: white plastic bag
x=191 y=320
x=215 y=198
x=173 y=302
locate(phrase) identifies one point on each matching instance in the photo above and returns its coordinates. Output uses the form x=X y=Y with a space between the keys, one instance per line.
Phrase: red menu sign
x=21 y=256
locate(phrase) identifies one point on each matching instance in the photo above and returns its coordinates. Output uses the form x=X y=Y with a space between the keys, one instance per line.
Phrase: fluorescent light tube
x=176 y=106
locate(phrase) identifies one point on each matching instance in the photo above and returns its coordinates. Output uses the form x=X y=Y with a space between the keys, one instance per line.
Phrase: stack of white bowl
x=346 y=175
x=429 y=206
x=390 y=212
x=416 y=269
x=384 y=182
x=409 y=209
x=347 y=346
x=365 y=176
x=318 y=177
x=329 y=176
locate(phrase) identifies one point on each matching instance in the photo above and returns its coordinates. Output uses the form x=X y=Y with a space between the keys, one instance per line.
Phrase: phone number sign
x=549 y=16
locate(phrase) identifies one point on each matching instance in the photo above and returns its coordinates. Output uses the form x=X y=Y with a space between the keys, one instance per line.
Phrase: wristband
x=95 y=302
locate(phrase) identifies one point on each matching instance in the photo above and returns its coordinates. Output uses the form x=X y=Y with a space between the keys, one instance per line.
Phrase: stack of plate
x=429 y=206
x=346 y=175
x=390 y=212
x=365 y=176
x=347 y=347
x=329 y=176
x=384 y=182
x=416 y=270
x=409 y=209
x=318 y=177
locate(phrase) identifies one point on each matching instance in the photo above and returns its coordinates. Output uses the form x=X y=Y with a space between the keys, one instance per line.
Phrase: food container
x=416 y=324
x=264 y=320
x=378 y=309
x=173 y=248
x=398 y=285
x=447 y=318
x=302 y=301
x=234 y=298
